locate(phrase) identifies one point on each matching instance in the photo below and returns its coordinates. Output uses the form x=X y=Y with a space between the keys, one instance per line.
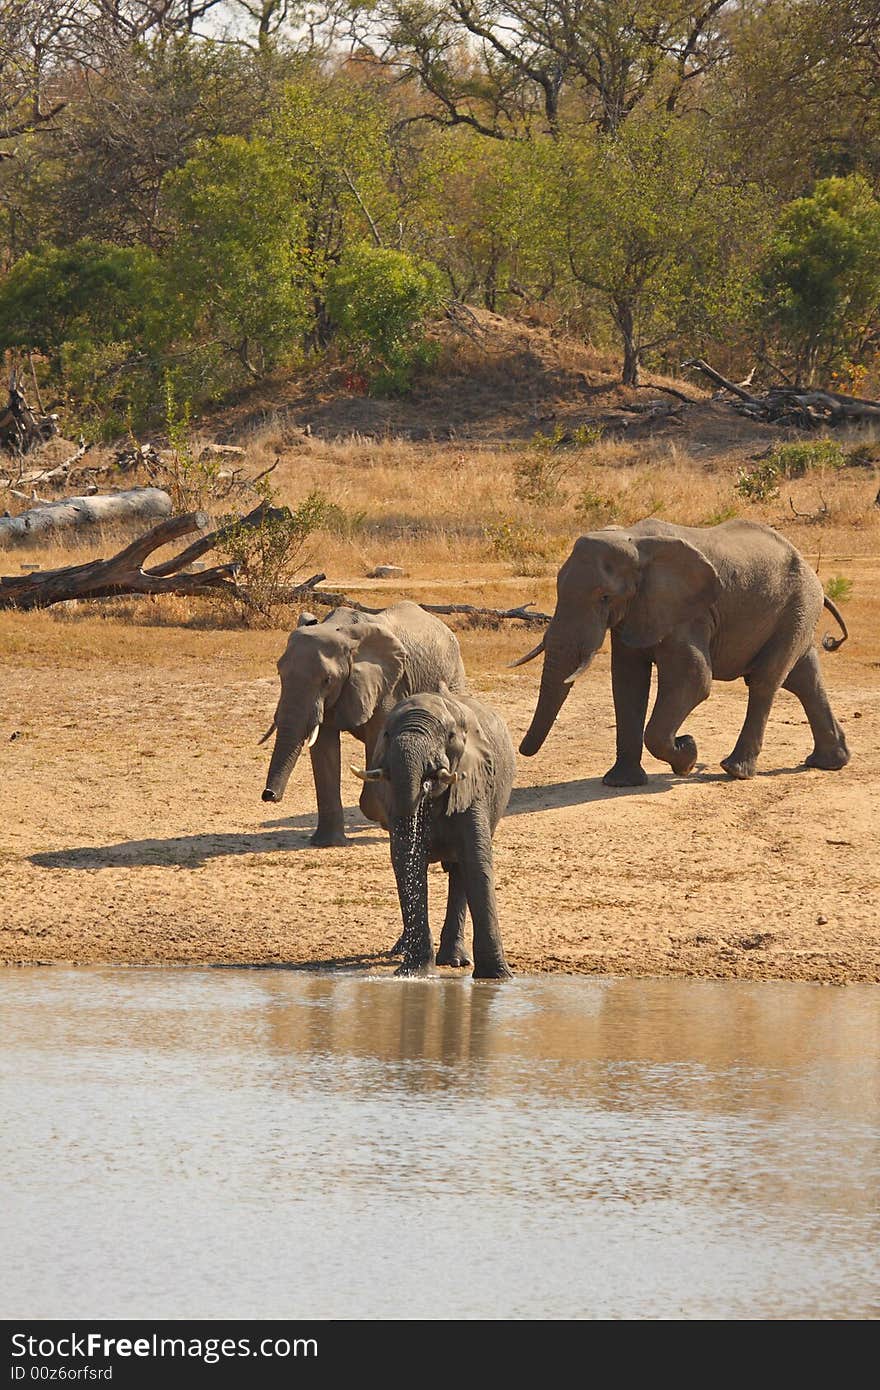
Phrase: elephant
x=699 y=603
x=344 y=675
x=444 y=766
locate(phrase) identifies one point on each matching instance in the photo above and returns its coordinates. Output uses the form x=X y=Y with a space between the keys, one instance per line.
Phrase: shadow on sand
x=554 y=796
x=193 y=851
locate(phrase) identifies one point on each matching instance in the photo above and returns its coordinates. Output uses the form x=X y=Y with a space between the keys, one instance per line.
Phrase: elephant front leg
x=325 y=755
x=452 y=948
x=409 y=858
x=477 y=867
x=630 y=686
x=681 y=686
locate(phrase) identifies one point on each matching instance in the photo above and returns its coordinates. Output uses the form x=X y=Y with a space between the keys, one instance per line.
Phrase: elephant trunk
x=408 y=759
x=553 y=694
x=289 y=743
x=409 y=858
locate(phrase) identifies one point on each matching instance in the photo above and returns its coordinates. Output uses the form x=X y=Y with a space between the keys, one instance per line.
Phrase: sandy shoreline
x=134 y=831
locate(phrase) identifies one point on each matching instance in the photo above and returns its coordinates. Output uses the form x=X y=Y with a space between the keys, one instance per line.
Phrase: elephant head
x=431 y=744
x=330 y=672
x=641 y=586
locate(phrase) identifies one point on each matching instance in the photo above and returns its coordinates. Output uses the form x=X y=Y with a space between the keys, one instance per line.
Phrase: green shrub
x=795 y=459
x=537 y=477
x=597 y=509
x=270 y=556
x=726 y=513
x=523 y=547
x=761 y=483
x=380 y=301
x=838 y=588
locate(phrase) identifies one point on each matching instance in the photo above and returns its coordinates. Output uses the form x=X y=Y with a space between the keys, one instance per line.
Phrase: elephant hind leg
x=829 y=741
x=770 y=669
x=678 y=693
x=452 y=949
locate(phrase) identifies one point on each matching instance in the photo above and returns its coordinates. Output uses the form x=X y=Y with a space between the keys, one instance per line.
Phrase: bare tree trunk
x=623 y=317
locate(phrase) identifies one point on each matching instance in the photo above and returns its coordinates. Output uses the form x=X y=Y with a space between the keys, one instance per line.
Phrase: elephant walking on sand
x=443 y=767
x=699 y=603
x=344 y=675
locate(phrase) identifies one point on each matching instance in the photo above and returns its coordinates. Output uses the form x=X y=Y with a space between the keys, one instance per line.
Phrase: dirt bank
x=133 y=829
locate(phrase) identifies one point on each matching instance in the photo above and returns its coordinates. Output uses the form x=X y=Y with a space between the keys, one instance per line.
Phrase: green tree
x=379 y=300
x=89 y=293
x=821 y=276
x=237 y=266
x=650 y=231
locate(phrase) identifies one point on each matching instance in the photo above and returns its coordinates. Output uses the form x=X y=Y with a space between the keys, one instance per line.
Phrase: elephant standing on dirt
x=699 y=603
x=444 y=767
x=344 y=675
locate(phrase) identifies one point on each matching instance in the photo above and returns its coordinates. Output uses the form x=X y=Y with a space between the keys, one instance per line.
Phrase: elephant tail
x=830 y=643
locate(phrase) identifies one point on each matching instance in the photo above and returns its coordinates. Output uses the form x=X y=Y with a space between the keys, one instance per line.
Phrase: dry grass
x=427 y=508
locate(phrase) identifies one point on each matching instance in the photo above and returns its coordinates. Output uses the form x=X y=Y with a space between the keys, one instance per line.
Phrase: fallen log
x=43 y=520
x=521 y=613
x=123 y=573
x=802 y=406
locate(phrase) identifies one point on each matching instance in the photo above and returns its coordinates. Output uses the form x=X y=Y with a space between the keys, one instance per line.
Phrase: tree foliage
x=216 y=187
x=821 y=276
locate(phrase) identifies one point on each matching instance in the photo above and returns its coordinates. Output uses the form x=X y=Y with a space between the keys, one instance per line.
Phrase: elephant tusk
x=570 y=680
x=269 y=732
x=447 y=779
x=368 y=774
x=529 y=656
x=312 y=736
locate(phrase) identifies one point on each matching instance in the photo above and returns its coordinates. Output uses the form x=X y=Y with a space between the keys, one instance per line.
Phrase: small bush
x=788 y=460
x=597 y=509
x=727 y=513
x=838 y=588
x=380 y=301
x=761 y=484
x=523 y=547
x=582 y=437
x=795 y=459
x=537 y=477
x=270 y=555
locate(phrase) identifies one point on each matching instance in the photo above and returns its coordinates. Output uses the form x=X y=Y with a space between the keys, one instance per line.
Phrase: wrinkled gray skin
x=444 y=767
x=344 y=675
x=699 y=603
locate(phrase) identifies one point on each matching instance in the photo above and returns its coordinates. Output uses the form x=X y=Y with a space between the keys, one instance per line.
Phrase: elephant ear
x=377 y=663
x=676 y=584
x=473 y=767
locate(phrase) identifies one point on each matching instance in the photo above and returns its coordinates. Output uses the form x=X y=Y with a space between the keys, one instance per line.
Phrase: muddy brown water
x=272 y=1143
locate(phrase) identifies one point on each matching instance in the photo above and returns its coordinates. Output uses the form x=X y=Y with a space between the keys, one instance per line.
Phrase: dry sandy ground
x=133 y=829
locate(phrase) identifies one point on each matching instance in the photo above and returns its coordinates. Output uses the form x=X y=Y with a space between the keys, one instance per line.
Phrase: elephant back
x=433 y=655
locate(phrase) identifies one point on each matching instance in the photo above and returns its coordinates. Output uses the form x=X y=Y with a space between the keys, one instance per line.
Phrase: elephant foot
x=625 y=775
x=740 y=769
x=329 y=839
x=829 y=759
x=684 y=758
x=492 y=970
x=453 y=955
x=415 y=969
